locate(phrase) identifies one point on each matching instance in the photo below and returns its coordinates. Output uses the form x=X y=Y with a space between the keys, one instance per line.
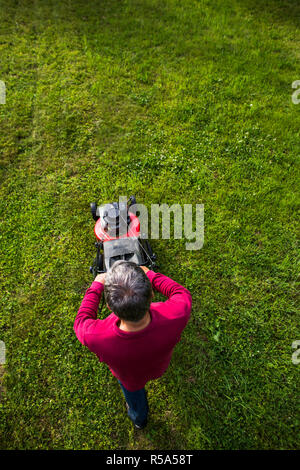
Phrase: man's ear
x=152 y=294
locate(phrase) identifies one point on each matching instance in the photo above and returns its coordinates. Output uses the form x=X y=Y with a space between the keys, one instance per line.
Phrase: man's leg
x=137 y=405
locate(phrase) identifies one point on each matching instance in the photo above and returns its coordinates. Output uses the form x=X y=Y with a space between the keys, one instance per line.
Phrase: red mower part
x=134 y=229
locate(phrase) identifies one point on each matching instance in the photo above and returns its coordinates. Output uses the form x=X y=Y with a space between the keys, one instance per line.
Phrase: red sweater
x=139 y=356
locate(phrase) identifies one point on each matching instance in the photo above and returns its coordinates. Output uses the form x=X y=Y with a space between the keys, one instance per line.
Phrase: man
x=136 y=341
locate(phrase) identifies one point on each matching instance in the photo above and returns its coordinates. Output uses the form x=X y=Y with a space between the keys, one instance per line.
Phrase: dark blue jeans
x=137 y=405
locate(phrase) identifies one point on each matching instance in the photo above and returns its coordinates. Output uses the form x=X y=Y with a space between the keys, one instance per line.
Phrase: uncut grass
x=185 y=102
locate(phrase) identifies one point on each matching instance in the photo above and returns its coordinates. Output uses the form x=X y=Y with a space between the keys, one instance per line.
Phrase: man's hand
x=144 y=268
x=100 y=278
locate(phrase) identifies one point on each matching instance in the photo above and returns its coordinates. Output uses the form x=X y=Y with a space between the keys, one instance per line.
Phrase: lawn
x=176 y=102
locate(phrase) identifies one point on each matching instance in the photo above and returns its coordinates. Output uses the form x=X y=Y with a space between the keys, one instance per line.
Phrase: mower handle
x=131 y=201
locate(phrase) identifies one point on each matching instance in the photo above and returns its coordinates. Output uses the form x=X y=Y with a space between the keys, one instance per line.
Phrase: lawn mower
x=113 y=243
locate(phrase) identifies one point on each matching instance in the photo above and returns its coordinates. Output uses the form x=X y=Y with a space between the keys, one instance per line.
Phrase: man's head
x=128 y=291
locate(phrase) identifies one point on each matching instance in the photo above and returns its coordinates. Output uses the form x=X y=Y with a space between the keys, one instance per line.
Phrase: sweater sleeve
x=179 y=301
x=86 y=318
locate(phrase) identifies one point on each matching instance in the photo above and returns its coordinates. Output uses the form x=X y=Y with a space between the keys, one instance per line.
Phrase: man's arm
x=179 y=301
x=87 y=313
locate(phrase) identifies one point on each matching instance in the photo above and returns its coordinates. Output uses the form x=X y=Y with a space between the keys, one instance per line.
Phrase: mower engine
x=115 y=243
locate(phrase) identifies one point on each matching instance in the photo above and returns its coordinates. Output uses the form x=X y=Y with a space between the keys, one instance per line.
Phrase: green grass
x=177 y=101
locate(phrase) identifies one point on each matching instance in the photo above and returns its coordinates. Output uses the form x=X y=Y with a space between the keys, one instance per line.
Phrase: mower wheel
x=94 y=210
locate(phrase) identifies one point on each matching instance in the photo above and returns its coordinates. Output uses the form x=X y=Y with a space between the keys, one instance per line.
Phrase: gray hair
x=128 y=290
